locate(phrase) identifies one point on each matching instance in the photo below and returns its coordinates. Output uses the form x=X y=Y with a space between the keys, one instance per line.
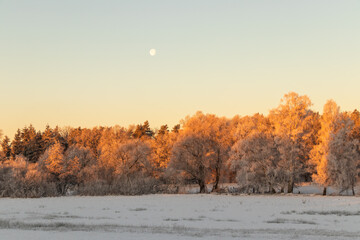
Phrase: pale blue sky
x=87 y=63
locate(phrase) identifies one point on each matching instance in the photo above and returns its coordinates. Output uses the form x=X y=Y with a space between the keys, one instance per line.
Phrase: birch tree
x=336 y=155
x=319 y=154
x=255 y=159
x=343 y=156
x=294 y=127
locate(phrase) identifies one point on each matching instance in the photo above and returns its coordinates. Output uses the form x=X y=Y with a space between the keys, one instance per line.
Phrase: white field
x=197 y=216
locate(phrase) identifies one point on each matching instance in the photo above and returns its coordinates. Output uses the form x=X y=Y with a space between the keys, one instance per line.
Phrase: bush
x=19 y=178
x=120 y=186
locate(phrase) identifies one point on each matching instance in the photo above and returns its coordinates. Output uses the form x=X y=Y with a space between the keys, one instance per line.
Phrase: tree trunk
x=202 y=187
x=60 y=189
x=353 y=190
x=217 y=172
x=290 y=187
x=324 y=191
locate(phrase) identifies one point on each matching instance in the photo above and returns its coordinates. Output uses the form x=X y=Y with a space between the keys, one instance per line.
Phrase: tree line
x=272 y=153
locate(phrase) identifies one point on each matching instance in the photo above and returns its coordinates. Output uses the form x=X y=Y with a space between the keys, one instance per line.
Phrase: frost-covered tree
x=67 y=168
x=20 y=178
x=248 y=125
x=128 y=161
x=193 y=158
x=256 y=160
x=294 y=122
x=52 y=160
x=161 y=147
x=217 y=131
x=51 y=164
x=132 y=158
x=88 y=138
x=109 y=141
x=343 y=156
x=336 y=155
x=319 y=153
x=76 y=166
x=355 y=116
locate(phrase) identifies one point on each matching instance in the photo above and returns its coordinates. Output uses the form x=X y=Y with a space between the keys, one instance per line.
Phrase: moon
x=152 y=52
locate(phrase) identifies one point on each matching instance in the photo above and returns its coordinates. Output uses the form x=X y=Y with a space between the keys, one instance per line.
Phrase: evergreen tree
x=17 y=145
x=143 y=130
x=48 y=138
x=163 y=130
x=147 y=130
x=32 y=143
x=6 y=147
x=176 y=128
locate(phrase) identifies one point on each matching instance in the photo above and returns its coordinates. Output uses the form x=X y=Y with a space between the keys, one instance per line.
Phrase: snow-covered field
x=181 y=217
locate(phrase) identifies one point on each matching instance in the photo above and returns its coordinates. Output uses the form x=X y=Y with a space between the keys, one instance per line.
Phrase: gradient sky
x=86 y=63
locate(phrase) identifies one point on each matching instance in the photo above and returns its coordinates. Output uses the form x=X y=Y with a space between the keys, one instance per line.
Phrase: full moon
x=152 y=52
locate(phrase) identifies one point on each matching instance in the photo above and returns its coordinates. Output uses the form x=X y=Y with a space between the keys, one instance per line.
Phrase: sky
x=87 y=63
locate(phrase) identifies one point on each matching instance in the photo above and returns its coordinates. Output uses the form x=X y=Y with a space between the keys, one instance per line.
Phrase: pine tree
x=6 y=147
x=17 y=146
x=139 y=131
x=31 y=141
x=163 y=130
x=48 y=138
x=147 y=130
x=176 y=128
x=143 y=130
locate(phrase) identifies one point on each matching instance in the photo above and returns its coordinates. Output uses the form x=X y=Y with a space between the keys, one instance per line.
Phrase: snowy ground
x=181 y=217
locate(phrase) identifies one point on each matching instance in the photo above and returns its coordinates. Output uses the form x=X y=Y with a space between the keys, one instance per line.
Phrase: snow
x=196 y=216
